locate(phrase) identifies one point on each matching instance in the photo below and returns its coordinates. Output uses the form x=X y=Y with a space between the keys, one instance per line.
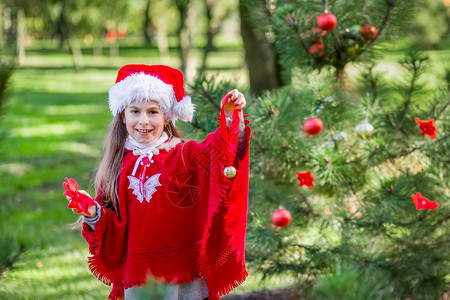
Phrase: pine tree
x=293 y=26
x=360 y=230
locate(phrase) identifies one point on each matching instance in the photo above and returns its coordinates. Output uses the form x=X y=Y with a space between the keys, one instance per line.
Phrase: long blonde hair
x=108 y=171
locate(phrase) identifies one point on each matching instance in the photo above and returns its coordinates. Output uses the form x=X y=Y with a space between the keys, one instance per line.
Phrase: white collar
x=140 y=149
x=146 y=151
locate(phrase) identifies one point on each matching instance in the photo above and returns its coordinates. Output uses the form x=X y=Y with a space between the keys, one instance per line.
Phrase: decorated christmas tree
x=349 y=179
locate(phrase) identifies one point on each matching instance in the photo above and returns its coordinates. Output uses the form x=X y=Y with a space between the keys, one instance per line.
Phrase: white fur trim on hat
x=184 y=109
x=144 y=87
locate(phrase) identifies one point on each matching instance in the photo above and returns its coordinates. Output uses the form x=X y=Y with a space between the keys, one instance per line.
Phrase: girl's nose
x=144 y=119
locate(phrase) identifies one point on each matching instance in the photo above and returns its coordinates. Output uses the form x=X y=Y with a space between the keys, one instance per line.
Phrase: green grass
x=54 y=121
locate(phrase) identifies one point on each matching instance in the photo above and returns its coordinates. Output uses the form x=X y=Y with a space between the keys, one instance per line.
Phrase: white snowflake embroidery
x=144 y=190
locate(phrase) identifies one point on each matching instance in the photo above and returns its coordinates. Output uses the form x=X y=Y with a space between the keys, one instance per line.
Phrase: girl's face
x=144 y=121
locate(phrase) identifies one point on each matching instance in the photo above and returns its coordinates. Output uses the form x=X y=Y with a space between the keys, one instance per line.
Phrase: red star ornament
x=427 y=127
x=423 y=203
x=305 y=178
x=79 y=200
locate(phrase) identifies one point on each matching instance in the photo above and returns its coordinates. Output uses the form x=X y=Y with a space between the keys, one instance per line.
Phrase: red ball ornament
x=281 y=217
x=369 y=32
x=313 y=126
x=317 y=50
x=327 y=21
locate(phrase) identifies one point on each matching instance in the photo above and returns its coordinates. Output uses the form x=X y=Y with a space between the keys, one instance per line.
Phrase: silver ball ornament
x=364 y=129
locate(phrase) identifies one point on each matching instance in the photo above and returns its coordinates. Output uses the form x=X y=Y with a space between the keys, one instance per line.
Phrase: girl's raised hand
x=238 y=98
x=235 y=101
x=92 y=208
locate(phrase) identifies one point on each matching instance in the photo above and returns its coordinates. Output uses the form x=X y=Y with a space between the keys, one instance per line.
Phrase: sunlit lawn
x=55 y=122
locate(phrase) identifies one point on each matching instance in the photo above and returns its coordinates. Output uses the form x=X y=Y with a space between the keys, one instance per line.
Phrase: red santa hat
x=145 y=83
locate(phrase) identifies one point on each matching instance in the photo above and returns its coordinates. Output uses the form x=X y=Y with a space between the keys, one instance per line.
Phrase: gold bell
x=229 y=172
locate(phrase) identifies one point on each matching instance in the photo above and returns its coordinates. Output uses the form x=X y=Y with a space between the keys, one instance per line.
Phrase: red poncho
x=189 y=222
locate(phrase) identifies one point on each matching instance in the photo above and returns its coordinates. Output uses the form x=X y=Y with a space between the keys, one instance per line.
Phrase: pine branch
x=195 y=124
x=316 y=250
x=297 y=155
x=399 y=154
x=416 y=64
x=379 y=224
x=387 y=16
x=353 y=189
x=429 y=244
x=414 y=149
x=373 y=153
x=258 y=143
x=207 y=95
x=444 y=108
x=376 y=151
x=310 y=209
x=373 y=82
x=292 y=22
x=340 y=62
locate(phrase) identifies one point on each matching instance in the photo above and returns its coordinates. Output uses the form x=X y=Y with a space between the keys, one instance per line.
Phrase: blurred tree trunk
x=262 y=60
x=97 y=49
x=61 y=25
x=114 y=49
x=21 y=35
x=185 y=36
x=8 y=27
x=211 y=32
x=148 y=26
x=2 y=22
x=6 y=71
x=163 y=44
x=77 y=56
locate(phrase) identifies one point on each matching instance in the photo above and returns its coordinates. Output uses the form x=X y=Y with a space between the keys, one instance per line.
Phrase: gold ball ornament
x=229 y=172
x=350 y=51
x=364 y=130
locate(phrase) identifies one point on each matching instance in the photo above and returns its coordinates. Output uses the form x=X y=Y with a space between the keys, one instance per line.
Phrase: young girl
x=168 y=210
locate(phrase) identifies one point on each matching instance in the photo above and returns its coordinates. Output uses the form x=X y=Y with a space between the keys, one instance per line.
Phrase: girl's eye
x=134 y=111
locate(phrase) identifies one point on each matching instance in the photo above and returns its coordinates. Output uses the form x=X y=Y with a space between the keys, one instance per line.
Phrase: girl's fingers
x=85 y=193
x=240 y=101
x=79 y=212
x=82 y=213
x=234 y=95
x=237 y=98
x=240 y=106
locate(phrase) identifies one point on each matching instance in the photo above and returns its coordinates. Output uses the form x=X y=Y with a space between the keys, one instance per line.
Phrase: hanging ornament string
x=231 y=135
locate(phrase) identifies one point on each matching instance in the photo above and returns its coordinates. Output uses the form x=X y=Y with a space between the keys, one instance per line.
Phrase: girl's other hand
x=92 y=209
x=235 y=102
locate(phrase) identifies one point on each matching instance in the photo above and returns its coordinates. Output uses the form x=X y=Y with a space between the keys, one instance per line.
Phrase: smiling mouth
x=143 y=130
